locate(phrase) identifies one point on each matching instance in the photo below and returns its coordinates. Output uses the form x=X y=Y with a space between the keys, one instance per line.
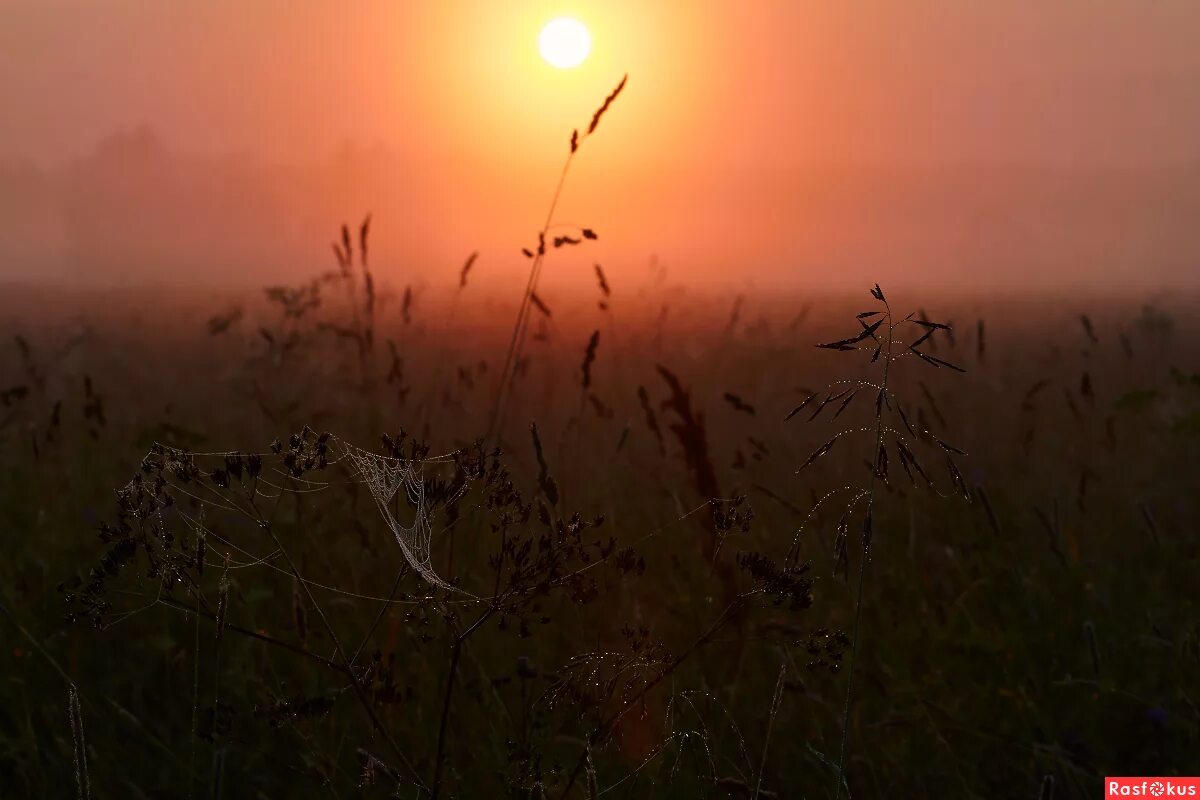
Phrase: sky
x=786 y=142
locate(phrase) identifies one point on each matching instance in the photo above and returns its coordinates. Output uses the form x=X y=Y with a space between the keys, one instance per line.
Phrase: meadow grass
x=1041 y=636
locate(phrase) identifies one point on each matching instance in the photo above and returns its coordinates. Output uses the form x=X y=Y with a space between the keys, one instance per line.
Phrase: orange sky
x=959 y=142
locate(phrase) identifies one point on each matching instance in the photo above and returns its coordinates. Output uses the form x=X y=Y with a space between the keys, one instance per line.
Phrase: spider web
x=385 y=477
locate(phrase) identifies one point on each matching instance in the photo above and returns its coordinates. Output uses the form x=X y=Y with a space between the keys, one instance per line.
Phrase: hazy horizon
x=965 y=146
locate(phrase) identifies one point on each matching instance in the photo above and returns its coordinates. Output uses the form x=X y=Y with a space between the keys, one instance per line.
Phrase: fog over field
x=958 y=145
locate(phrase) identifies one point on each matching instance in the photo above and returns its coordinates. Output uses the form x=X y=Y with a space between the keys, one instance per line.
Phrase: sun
x=564 y=42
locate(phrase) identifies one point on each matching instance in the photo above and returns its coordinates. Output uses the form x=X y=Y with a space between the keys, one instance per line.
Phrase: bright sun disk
x=564 y=42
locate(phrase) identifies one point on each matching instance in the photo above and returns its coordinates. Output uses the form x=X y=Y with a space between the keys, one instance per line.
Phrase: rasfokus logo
x=1151 y=787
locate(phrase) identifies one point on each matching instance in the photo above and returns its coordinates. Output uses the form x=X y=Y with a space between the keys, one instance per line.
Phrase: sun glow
x=564 y=42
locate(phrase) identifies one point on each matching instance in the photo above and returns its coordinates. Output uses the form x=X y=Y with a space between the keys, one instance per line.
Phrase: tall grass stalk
x=517 y=340
x=865 y=556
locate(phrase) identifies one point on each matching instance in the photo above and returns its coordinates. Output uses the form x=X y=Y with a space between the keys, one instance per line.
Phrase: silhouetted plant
x=892 y=431
x=537 y=255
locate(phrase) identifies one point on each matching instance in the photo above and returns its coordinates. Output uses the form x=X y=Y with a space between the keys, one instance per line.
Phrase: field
x=1028 y=615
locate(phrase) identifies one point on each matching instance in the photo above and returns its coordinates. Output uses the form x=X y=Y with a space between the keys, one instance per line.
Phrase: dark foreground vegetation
x=636 y=574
